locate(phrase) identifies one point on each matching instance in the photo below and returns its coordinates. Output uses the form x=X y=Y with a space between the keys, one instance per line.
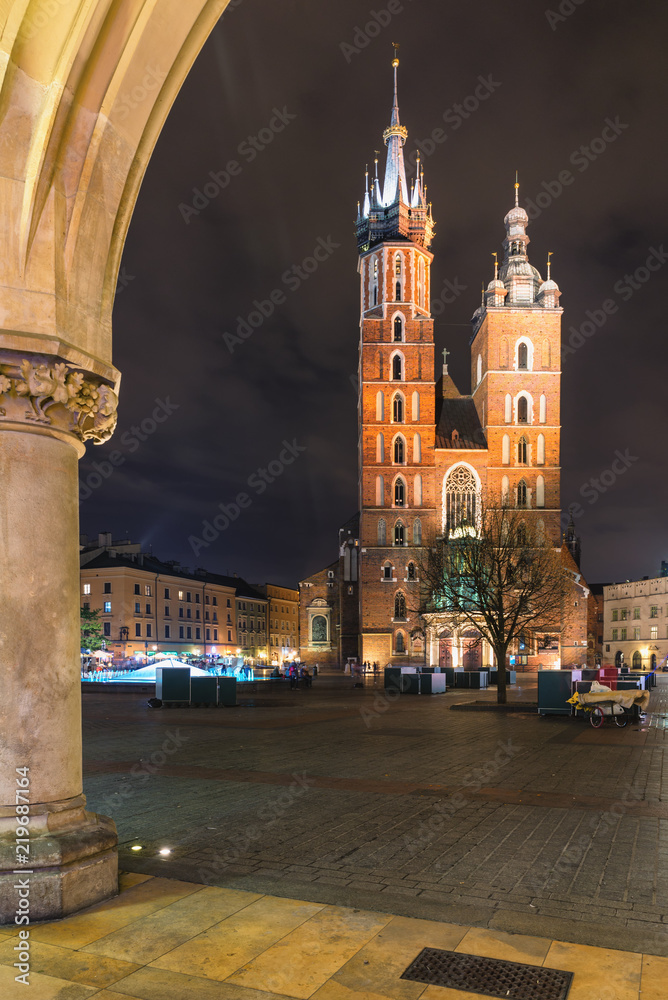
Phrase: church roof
x=458 y=425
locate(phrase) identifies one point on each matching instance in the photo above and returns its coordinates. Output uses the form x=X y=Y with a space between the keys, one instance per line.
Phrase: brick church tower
x=429 y=454
x=396 y=398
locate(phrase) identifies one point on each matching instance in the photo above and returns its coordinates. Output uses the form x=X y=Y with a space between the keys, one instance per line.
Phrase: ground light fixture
x=136 y=847
x=165 y=850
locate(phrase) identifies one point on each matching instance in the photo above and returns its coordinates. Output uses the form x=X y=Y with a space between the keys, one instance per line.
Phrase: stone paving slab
x=245 y=946
x=479 y=815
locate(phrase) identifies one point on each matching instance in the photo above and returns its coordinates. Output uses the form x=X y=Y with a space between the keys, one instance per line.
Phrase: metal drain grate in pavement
x=490 y=977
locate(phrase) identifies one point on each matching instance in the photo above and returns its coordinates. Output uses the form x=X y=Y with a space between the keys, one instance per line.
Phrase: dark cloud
x=189 y=283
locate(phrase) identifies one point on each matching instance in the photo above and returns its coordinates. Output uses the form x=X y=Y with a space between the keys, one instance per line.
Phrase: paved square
x=337 y=795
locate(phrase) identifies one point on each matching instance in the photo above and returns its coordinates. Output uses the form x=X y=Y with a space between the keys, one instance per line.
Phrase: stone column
x=48 y=408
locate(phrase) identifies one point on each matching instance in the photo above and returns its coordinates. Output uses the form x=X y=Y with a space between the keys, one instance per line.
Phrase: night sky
x=187 y=277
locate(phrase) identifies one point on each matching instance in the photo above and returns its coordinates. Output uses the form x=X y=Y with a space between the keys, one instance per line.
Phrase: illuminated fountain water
x=146 y=674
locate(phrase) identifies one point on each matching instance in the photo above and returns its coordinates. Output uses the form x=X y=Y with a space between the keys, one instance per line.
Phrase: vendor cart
x=601 y=702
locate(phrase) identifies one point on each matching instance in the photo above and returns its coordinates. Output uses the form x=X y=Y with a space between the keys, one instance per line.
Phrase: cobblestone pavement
x=339 y=795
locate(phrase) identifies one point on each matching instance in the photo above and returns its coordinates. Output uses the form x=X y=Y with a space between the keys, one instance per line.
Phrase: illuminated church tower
x=396 y=399
x=429 y=454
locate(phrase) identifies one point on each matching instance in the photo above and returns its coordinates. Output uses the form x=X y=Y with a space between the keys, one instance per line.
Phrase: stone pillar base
x=68 y=870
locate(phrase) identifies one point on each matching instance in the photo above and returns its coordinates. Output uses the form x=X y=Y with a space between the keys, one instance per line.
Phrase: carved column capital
x=42 y=392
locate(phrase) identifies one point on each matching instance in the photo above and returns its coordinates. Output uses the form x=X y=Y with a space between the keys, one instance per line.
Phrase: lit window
x=654 y=632
x=180 y=595
x=147 y=591
x=86 y=588
x=107 y=607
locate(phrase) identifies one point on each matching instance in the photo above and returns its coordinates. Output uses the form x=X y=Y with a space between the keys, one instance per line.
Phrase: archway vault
x=86 y=88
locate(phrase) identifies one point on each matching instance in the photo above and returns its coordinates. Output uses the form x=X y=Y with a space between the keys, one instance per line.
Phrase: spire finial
x=517 y=190
x=445 y=360
x=496 y=265
x=549 y=263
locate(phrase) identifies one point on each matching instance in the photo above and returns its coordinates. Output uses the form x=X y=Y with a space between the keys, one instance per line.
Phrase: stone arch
x=73 y=161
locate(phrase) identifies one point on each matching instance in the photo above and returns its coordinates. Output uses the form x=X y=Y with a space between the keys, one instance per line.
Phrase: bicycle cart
x=619 y=705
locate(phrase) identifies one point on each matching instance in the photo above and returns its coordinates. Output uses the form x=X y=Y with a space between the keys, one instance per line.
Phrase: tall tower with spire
x=396 y=399
x=515 y=376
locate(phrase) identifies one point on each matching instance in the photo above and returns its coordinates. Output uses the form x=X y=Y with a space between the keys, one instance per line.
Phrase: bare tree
x=499 y=578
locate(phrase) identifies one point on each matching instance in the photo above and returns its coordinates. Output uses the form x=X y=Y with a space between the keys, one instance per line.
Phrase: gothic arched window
x=400 y=643
x=521 y=493
x=380 y=406
x=398 y=330
x=387 y=571
x=399 y=534
x=461 y=498
x=522 y=410
x=522 y=356
x=397 y=368
x=400 y=606
x=380 y=448
x=522 y=534
x=399 y=450
x=380 y=491
x=374 y=293
x=417 y=531
x=399 y=492
x=522 y=451
x=410 y=571
x=398 y=409
x=382 y=531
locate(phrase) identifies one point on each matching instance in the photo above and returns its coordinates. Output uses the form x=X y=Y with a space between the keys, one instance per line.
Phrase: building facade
x=429 y=453
x=635 y=623
x=150 y=606
x=329 y=606
x=283 y=622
